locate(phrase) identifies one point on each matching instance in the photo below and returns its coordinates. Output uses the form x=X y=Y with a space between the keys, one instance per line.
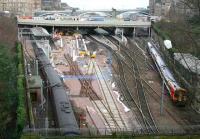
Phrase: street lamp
x=168 y=44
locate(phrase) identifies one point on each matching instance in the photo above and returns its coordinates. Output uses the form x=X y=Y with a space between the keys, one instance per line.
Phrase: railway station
x=100 y=83
x=99 y=69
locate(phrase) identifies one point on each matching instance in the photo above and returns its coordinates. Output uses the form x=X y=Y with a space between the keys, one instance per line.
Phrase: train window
x=65 y=107
x=67 y=111
x=62 y=102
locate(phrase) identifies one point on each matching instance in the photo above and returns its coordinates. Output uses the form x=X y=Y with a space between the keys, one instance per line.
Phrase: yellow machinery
x=93 y=54
x=82 y=52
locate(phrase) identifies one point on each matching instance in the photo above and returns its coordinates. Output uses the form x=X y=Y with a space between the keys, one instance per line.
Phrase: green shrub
x=162 y=34
x=19 y=53
x=21 y=111
x=20 y=69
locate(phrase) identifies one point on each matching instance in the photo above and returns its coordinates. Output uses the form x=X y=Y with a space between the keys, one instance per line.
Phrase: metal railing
x=91 y=132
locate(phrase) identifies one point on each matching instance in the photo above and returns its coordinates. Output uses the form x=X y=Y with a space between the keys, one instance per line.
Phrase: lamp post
x=162 y=97
x=168 y=45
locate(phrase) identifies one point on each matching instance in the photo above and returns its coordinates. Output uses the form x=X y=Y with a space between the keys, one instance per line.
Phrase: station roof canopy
x=101 y=31
x=40 y=32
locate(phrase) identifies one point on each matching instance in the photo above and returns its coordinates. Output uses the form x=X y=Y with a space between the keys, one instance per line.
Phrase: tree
x=193 y=5
x=8 y=95
x=8 y=77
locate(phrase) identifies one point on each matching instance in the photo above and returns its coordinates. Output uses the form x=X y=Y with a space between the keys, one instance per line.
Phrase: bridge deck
x=71 y=23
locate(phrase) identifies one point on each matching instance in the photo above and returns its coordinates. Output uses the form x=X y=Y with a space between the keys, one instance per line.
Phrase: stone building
x=51 y=4
x=159 y=7
x=151 y=7
x=20 y=7
x=36 y=5
x=163 y=7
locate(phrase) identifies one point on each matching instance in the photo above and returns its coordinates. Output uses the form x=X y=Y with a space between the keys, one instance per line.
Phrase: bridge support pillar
x=53 y=30
x=149 y=31
x=122 y=35
x=134 y=32
x=77 y=28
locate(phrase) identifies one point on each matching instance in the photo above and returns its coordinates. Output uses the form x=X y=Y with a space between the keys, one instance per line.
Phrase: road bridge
x=110 y=23
x=70 y=23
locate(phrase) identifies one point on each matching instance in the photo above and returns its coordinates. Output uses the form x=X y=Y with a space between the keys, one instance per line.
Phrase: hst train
x=176 y=92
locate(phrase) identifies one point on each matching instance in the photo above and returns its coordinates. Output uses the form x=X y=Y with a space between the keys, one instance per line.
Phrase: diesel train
x=63 y=110
x=65 y=118
x=177 y=93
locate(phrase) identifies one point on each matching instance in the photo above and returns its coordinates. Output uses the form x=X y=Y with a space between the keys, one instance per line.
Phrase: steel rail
x=142 y=98
x=107 y=101
x=147 y=124
x=78 y=72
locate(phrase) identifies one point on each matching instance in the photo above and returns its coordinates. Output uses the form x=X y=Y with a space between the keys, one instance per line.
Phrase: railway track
x=147 y=88
x=170 y=111
x=86 y=86
x=130 y=56
x=141 y=54
x=112 y=122
x=129 y=98
x=143 y=60
x=147 y=121
x=111 y=104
